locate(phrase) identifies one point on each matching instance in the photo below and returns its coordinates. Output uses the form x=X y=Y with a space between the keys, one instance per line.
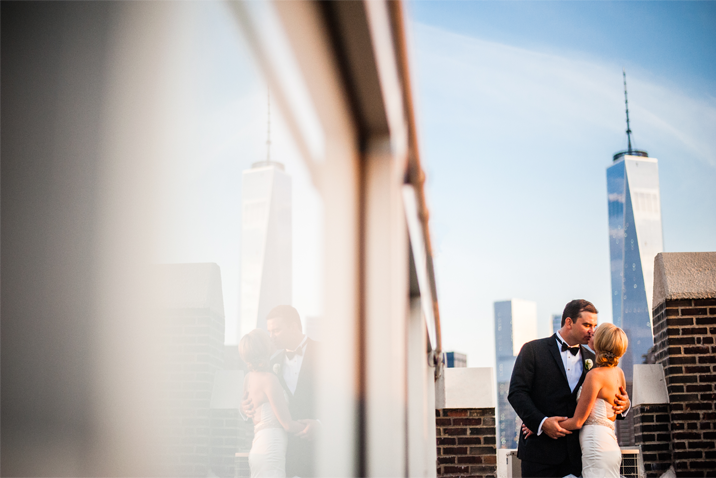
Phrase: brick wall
x=229 y=434
x=193 y=350
x=685 y=345
x=651 y=432
x=466 y=442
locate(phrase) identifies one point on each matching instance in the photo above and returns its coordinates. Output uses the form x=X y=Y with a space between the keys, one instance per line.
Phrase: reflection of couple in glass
x=278 y=395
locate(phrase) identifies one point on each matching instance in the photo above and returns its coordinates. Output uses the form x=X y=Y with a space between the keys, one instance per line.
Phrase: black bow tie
x=290 y=354
x=574 y=350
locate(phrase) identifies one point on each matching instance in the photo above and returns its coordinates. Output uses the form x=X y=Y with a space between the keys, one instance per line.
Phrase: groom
x=543 y=391
x=295 y=366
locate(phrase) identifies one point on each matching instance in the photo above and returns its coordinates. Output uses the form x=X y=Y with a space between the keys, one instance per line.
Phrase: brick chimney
x=680 y=430
x=465 y=426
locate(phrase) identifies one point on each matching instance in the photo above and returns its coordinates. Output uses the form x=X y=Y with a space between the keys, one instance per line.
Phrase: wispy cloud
x=516 y=143
x=508 y=89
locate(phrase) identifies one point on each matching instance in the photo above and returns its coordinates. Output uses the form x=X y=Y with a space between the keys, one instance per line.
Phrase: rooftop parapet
x=684 y=275
x=470 y=387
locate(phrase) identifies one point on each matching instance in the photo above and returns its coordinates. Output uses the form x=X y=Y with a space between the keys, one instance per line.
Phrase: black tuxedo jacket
x=539 y=389
x=300 y=453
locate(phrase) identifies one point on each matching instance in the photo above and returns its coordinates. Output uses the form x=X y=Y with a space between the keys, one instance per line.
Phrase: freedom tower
x=635 y=237
x=266 y=240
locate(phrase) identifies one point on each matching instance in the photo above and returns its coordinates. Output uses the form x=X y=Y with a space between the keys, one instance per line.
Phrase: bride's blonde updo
x=255 y=349
x=610 y=343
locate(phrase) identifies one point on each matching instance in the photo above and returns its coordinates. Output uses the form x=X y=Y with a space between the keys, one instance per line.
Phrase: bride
x=272 y=420
x=601 y=456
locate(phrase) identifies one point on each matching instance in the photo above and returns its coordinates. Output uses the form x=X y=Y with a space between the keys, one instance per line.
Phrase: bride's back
x=256 y=385
x=255 y=349
x=608 y=380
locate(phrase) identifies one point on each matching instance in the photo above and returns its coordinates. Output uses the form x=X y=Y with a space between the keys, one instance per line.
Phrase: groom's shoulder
x=543 y=342
x=538 y=344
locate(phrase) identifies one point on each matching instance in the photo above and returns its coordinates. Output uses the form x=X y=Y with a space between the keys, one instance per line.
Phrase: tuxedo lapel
x=584 y=367
x=554 y=350
x=306 y=366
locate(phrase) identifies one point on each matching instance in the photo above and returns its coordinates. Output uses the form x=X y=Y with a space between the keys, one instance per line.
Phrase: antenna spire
x=626 y=104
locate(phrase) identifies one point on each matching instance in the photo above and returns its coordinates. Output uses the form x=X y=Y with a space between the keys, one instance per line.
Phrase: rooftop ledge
x=470 y=387
x=684 y=275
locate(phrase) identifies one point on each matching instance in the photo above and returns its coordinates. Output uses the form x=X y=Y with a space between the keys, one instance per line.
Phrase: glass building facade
x=556 y=322
x=515 y=324
x=635 y=237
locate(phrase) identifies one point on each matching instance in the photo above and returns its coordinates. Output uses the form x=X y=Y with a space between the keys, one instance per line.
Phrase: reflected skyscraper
x=265 y=242
x=635 y=237
x=515 y=324
x=266 y=232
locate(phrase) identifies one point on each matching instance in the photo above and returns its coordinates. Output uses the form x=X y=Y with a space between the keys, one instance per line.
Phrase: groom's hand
x=552 y=428
x=621 y=401
x=311 y=431
x=247 y=406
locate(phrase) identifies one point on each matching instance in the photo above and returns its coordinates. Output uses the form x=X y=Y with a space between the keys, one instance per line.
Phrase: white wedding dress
x=267 y=458
x=601 y=456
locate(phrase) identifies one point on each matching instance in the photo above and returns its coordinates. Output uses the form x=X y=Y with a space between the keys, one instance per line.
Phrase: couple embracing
x=568 y=398
x=278 y=396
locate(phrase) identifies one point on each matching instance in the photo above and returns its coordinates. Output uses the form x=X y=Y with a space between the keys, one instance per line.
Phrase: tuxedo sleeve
x=521 y=388
x=623 y=415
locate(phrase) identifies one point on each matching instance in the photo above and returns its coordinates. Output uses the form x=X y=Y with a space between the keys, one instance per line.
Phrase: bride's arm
x=590 y=389
x=278 y=402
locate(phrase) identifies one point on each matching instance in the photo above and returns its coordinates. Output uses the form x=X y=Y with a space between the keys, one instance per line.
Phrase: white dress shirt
x=292 y=367
x=572 y=366
x=572 y=363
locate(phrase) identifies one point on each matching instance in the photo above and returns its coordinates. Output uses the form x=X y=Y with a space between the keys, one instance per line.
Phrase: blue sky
x=520 y=109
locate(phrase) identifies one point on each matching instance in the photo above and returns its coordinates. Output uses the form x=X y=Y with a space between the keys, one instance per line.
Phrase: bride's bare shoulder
x=601 y=373
x=260 y=379
x=608 y=375
x=270 y=379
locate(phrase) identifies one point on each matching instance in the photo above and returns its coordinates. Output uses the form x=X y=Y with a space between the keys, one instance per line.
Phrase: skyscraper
x=515 y=324
x=455 y=360
x=635 y=237
x=556 y=322
x=265 y=243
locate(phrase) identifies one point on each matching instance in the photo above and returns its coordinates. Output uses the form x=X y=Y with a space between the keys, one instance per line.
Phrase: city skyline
x=528 y=117
x=526 y=100
x=556 y=322
x=515 y=325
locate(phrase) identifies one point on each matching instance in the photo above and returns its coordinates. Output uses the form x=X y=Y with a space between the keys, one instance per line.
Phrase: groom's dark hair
x=287 y=313
x=576 y=307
